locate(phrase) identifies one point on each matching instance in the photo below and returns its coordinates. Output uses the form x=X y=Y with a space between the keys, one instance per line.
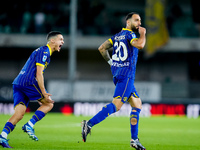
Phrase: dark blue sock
x=134 y=127
x=37 y=116
x=8 y=127
x=101 y=115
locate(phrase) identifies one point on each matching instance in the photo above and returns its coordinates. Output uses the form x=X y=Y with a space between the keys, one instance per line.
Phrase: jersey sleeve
x=41 y=57
x=132 y=37
x=111 y=39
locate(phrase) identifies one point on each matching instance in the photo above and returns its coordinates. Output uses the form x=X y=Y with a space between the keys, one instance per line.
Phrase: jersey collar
x=127 y=29
x=49 y=49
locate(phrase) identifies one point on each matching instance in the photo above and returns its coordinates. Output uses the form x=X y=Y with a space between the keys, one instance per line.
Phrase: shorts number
x=118 y=54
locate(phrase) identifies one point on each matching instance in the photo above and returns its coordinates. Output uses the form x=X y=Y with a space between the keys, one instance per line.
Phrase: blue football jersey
x=27 y=75
x=124 y=55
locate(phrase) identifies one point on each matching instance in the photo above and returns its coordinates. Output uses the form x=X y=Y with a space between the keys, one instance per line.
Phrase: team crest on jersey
x=44 y=58
x=133 y=35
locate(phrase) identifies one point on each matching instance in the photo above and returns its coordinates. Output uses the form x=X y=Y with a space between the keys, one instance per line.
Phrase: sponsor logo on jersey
x=44 y=58
x=133 y=35
x=125 y=64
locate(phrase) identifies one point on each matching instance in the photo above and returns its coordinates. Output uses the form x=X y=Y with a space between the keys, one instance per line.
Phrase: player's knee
x=47 y=104
x=135 y=102
x=118 y=107
x=139 y=103
x=50 y=106
x=118 y=104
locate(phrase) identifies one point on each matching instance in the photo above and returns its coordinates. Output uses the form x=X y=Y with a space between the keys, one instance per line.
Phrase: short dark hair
x=52 y=33
x=130 y=15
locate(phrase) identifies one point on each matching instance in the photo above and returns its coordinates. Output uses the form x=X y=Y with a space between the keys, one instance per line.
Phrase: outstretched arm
x=103 y=49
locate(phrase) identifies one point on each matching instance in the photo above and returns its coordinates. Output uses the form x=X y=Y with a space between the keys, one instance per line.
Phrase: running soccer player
x=29 y=85
x=123 y=66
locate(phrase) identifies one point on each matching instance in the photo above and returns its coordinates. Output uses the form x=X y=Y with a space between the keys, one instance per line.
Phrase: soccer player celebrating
x=123 y=66
x=29 y=85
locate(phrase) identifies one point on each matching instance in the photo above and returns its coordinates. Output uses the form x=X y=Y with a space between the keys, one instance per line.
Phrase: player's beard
x=134 y=29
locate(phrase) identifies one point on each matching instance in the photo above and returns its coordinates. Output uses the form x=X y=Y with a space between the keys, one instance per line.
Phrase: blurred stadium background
x=168 y=70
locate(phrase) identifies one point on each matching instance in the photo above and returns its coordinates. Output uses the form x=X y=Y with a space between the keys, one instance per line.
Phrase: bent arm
x=103 y=49
x=140 y=43
x=40 y=78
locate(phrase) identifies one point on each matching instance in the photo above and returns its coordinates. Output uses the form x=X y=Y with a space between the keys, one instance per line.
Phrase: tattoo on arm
x=103 y=49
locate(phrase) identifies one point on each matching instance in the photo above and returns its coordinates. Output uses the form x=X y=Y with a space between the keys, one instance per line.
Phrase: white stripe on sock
x=4 y=134
x=30 y=123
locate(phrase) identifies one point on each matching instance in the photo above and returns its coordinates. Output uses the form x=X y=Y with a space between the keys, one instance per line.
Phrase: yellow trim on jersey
x=110 y=41
x=135 y=95
x=133 y=40
x=127 y=29
x=38 y=64
x=49 y=49
x=118 y=97
x=20 y=103
x=39 y=92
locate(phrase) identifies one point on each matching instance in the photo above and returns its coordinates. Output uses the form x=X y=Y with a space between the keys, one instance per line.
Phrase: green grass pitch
x=58 y=132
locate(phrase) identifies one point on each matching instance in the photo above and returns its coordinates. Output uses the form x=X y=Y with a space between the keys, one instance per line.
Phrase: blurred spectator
x=102 y=22
x=195 y=13
x=180 y=24
x=87 y=12
x=39 y=22
x=94 y=17
x=174 y=13
x=26 y=21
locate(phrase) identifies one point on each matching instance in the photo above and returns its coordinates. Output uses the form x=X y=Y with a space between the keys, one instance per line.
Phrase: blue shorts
x=124 y=88
x=23 y=94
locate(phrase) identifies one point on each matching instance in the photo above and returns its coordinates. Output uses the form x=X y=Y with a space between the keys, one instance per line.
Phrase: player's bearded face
x=135 y=22
x=134 y=28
